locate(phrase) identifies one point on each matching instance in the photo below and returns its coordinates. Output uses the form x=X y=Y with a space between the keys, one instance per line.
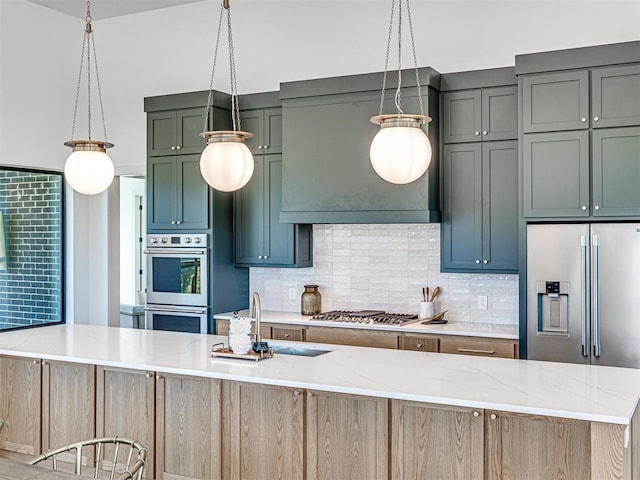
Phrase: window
x=31 y=242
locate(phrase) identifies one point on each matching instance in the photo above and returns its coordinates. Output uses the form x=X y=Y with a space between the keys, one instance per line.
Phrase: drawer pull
x=475 y=350
x=418 y=345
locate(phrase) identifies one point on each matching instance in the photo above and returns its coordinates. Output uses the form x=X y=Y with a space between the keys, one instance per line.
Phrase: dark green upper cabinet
x=480 y=115
x=175 y=132
x=178 y=196
x=556 y=101
x=556 y=174
x=616 y=171
x=480 y=214
x=266 y=126
x=327 y=174
x=261 y=240
x=615 y=96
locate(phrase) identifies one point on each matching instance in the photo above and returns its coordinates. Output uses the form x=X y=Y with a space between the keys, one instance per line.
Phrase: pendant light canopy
x=89 y=170
x=400 y=152
x=226 y=162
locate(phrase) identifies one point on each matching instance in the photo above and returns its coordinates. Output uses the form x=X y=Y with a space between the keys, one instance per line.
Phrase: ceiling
x=101 y=9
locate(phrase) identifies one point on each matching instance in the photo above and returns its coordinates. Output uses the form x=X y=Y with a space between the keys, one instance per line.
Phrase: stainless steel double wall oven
x=177 y=282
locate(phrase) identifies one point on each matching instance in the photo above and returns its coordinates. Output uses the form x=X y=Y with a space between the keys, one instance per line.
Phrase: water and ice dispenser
x=553 y=307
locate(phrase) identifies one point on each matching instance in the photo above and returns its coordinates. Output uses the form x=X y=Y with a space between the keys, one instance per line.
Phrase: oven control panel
x=173 y=241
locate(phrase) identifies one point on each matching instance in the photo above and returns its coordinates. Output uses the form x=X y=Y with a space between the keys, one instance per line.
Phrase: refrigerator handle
x=584 y=245
x=595 y=242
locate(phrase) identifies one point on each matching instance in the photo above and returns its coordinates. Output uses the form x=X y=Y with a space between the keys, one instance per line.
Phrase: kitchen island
x=350 y=413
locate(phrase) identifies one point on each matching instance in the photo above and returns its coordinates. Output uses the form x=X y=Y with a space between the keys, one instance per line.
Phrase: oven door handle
x=175 y=310
x=174 y=251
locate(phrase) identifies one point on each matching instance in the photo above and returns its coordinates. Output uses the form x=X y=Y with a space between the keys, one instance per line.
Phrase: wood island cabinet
x=262 y=431
x=418 y=343
x=434 y=442
x=20 y=408
x=188 y=419
x=125 y=406
x=486 y=347
x=68 y=403
x=352 y=336
x=289 y=333
x=347 y=436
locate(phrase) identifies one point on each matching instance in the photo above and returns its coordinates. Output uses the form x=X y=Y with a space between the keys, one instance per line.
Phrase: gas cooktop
x=370 y=317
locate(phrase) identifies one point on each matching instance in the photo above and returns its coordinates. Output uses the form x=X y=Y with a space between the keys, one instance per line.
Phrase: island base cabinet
x=21 y=408
x=187 y=428
x=550 y=447
x=125 y=406
x=347 y=437
x=262 y=431
x=435 y=442
x=68 y=406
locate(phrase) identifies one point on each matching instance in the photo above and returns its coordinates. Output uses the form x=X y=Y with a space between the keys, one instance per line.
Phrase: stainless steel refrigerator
x=583 y=293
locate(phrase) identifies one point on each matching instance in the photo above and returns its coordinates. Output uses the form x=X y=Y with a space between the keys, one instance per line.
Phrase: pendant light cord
x=235 y=108
x=397 y=97
x=88 y=44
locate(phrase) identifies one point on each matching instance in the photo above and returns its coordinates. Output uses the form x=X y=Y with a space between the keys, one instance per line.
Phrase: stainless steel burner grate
x=369 y=317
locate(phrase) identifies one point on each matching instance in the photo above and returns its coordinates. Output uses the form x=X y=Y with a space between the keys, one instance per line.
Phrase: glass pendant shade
x=89 y=170
x=400 y=152
x=226 y=163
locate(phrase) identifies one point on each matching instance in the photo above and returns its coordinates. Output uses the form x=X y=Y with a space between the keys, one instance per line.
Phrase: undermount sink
x=298 y=351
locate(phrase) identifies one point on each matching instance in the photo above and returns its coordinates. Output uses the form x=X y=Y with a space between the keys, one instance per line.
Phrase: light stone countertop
x=466 y=329
x=584 y=392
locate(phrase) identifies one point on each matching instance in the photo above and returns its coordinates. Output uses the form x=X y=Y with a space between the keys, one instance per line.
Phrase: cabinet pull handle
x=148 y=375
x=286 y=335
x=595 y=119
x=597 y=207
x=485 y=261
x=477 y=261
x=477 y=133
x=484 y=132
x=35 y=362
x=266 y=146
x=259 y=147
x=265 y=257
x=158 y=377
x=583 y=119
x=173 y=222
x=178 y=222
x=418 y=345
x=296 y=392
x=178 y=147
x=476 y=414
x=310 y=394
x=475 y=350
x=493 y=416
x=583 y=207
x=173 y=148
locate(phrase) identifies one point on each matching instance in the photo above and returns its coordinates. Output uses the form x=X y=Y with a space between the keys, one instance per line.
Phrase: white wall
x=129 y=189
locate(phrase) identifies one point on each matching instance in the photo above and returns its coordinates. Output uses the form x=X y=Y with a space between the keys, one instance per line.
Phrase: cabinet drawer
x=418 y=343
x=351 y=336
x=476 y=346
x=292 y=334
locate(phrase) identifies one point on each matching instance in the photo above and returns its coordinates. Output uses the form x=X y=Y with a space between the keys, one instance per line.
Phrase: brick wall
x=31 y=287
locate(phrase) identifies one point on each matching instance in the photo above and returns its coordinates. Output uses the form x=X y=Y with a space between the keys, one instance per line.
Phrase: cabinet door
x=161 y=193
x=540 y=447
x=21 y=409
x=347 y=436
x=500 y=113
x=190 y=124
x=68 y=403
x=192 y=194
x=492 y=347
x=616 y=171
x=125 y=406
x=557 y=101
x=615 y=96
x=188 y=437
x=279 y=237
x=289 y=333
x=249 y=218
x=264 y=432
x=161 y=133
x=500 y=206
x=252 y=121
x=436 y=442
x=462 y=210
x=462 y=116
x=273 y=130
x=556 y=174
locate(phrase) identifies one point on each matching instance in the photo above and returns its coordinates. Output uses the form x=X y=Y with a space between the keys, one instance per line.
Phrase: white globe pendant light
x=400 y=152
x=89 y=170
x=226 y=162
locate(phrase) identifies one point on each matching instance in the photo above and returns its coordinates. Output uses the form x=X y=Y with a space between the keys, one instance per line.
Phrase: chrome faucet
x=257 y=314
